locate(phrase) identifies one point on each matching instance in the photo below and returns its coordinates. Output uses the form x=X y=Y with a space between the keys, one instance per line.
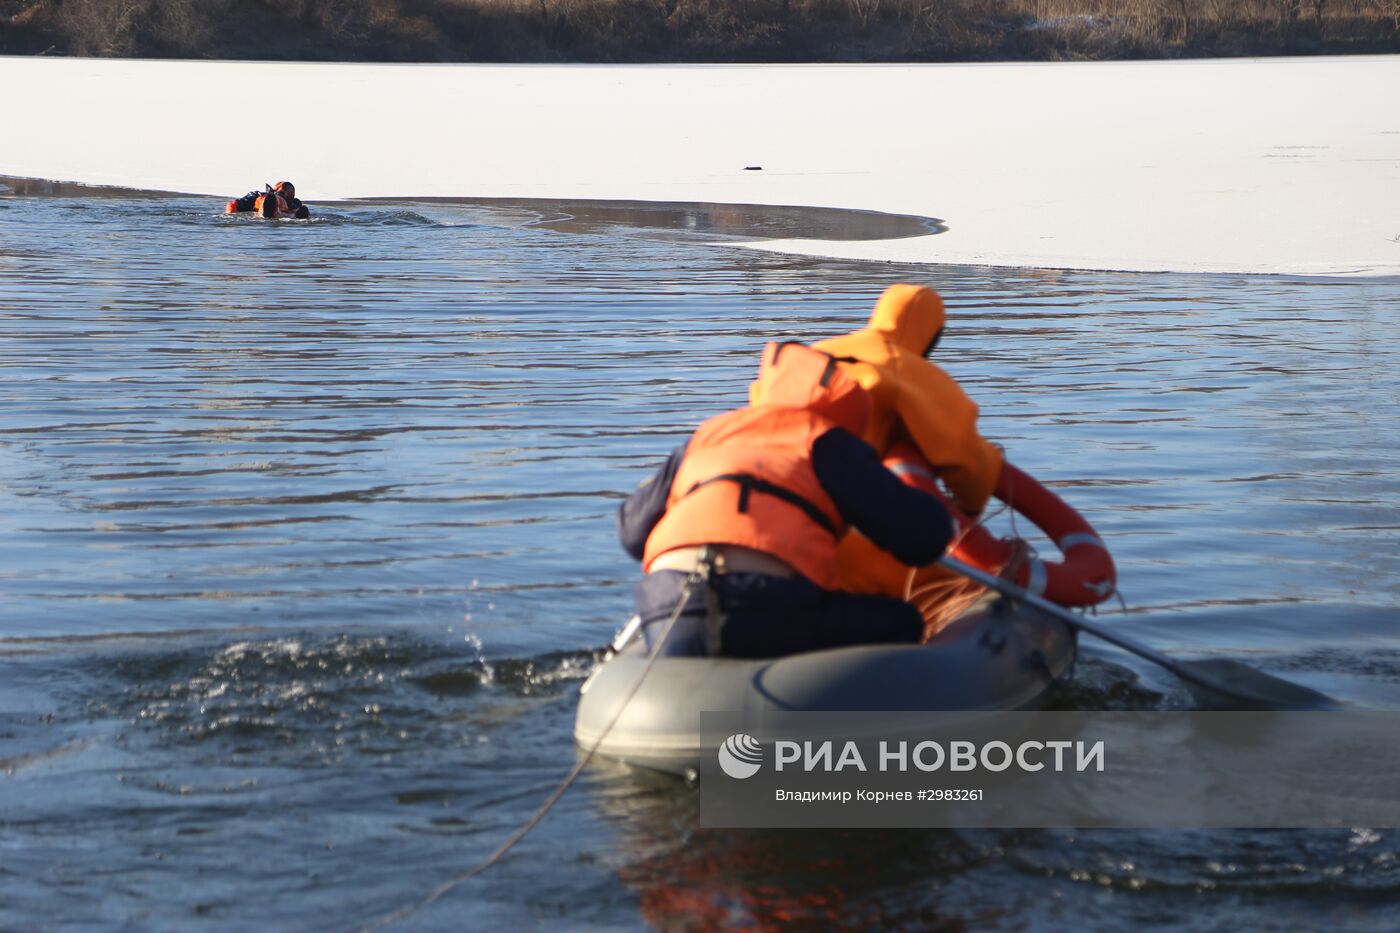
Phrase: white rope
x=510 y=841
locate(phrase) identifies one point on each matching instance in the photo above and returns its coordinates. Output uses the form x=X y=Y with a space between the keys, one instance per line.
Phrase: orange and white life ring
x=1086 y=575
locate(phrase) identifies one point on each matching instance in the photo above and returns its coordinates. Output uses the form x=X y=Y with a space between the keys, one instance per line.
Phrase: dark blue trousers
x=768 y=617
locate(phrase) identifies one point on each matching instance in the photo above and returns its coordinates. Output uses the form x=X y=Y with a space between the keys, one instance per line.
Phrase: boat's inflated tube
x=999 y=656
x=1085 y=577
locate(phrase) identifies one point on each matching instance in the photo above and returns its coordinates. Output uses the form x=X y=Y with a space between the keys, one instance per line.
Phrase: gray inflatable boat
x=998 y=656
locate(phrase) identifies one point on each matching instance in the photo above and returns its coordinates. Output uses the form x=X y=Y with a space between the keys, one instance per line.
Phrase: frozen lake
x=307 y=540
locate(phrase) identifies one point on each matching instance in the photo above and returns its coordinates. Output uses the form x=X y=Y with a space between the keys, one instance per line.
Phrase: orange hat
x=286 y=189
x=912 y=316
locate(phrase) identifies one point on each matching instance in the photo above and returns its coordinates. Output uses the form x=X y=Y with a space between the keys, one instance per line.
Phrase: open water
x=306 y=543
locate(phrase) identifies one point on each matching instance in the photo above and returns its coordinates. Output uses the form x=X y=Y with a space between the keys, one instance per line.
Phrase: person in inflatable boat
x=914 y=400
x=755 y=504
x=279 y=200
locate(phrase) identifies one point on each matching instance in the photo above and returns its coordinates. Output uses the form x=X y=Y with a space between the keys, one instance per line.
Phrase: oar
x=1216 y=684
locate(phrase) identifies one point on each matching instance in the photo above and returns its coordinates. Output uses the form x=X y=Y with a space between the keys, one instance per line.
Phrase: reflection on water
x=690 y=221
x=306 y=541
x=987 y=879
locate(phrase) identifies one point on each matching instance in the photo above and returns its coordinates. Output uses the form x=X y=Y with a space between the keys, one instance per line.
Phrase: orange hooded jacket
x=747 y=477
x=913 y=397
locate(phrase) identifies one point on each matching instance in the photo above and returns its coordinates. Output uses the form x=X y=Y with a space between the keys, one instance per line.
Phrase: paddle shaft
x=1011 y=590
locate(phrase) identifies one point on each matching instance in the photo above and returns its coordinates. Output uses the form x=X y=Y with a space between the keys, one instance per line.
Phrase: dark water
x=306 y=543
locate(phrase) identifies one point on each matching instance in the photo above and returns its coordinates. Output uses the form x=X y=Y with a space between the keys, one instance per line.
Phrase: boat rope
x=988 y=514
x=1011 y=500
x=524 y=828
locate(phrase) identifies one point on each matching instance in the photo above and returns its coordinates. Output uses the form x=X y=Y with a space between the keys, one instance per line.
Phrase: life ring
x=1086 y=575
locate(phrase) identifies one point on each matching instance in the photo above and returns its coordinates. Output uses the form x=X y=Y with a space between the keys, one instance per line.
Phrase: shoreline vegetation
x=696 y=30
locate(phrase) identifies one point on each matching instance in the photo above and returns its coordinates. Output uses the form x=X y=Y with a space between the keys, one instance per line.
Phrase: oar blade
x=1229 y=685
x=1216 y=684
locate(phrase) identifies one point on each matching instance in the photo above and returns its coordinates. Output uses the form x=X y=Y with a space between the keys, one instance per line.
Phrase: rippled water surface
x=306 y=542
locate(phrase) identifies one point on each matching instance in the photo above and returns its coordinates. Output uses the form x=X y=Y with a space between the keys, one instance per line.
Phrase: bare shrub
x=103 y=27
x=718 y=29
x=184 y=25
x=864 y=12
x=1388 y=8
x=698 y=30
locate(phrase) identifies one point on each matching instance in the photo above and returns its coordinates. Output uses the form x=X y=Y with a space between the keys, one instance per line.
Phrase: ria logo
x=740 y=756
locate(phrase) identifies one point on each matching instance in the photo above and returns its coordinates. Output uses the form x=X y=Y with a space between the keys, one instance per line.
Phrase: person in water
x=914 y=400
x=756 y=502
x=279 y=200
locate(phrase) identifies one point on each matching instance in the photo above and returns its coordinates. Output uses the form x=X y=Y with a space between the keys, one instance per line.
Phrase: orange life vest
x=747 y=477
x=282 y=207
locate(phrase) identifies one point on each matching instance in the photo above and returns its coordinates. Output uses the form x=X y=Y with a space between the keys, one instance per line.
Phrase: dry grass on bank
x=696 y=30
